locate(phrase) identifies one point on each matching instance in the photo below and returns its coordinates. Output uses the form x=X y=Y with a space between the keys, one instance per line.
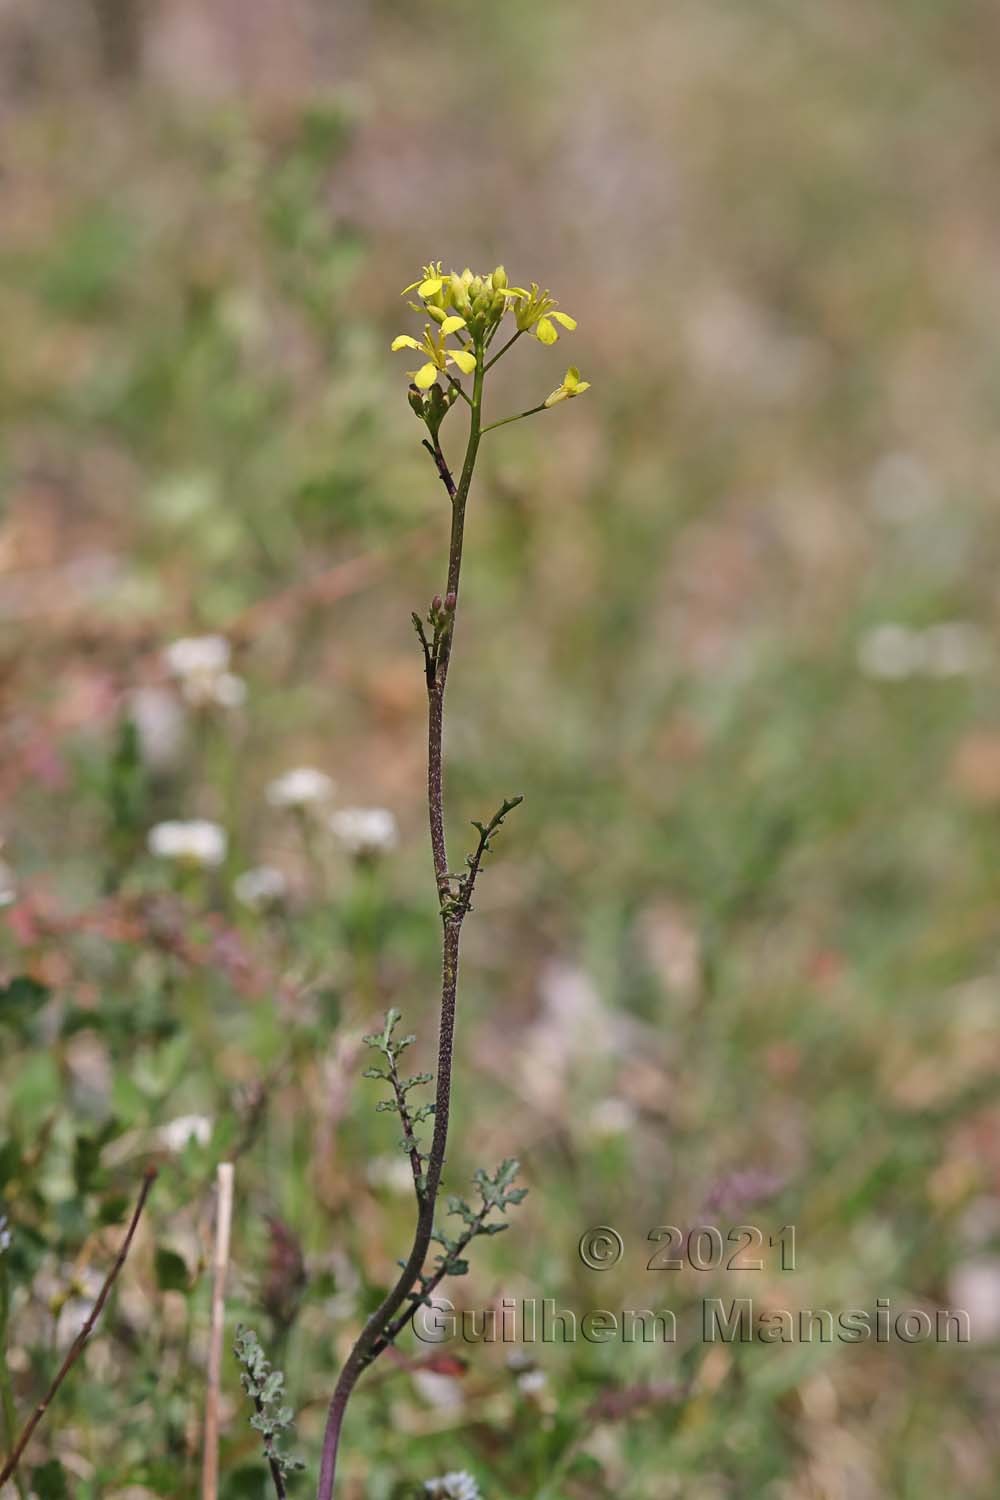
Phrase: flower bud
x=500 y=278
x=450 y=601
x=436 y=605
x=416 y=401
x=437 y=313
x=476 y=287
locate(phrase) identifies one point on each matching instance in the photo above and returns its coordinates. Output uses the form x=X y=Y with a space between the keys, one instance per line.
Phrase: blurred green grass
x=751 y=897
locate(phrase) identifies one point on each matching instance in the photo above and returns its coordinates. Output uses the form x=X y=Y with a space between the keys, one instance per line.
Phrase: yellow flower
x=572 y=386
x=536 y=314
x=438 y=356
x=430 y=283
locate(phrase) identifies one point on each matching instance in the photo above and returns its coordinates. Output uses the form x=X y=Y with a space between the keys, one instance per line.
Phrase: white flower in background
x=260 y=887
x=443 y=1392
x=83 y=1286
x=459 y=1485
x=955 y=648
x=8 y=884
x=610 y=1117
x=532 y=1382
x=197 y=842
x=891 y=652
x=302 y=787
x=229 y=691
x=365 y=830
x=176 y=1134
x=160 y=725
x=201 y=665
x=395 y=1173
x=197 y=656
x=974 y=1286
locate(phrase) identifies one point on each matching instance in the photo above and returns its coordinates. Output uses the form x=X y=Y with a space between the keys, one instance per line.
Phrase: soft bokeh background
x=730 y=625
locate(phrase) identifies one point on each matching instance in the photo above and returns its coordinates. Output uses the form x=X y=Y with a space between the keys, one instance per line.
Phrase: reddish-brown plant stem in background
x=80 y=1342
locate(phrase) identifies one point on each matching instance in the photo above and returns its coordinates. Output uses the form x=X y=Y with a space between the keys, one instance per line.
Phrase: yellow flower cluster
x=470 y=309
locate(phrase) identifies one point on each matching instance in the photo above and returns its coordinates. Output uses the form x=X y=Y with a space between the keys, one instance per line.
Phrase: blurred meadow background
x=729 y=624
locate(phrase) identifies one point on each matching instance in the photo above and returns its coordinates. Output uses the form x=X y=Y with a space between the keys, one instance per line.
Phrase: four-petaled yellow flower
x=572 y=386
x=536 y=314
x=439 y=357
x=430 y=284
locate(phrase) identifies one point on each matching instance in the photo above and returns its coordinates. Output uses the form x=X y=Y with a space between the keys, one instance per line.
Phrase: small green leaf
x=171 y=1272
x=49 y=1481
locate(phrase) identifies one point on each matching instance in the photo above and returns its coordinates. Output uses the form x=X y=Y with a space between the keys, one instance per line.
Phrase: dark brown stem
x=80 y=1342
x=444 y=473
x=430 y=1285
x=272 y=1463
x=368 y=1343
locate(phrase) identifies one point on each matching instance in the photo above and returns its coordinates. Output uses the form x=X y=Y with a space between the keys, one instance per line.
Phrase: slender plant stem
x=6 y=1387
x=431 y=1284
x=501 y=352
x=503 y=422
x=277 y=1477
x=372 y=1337
x=80 y=1342
x=223 y=1222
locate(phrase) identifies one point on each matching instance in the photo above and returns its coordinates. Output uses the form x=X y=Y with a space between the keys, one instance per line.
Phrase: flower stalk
x=470 y=309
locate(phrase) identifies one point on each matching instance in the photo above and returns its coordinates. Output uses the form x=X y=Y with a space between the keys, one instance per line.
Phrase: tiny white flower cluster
x=391 y=1172
x=261 y=887
x=365 y=831
x=610 y=1117
x=302 y=787
x=160 y=724
x=176 y=1134
x=8 y=884
x=194 y=842
x=200 y=663
x=459 y=1485
x=892 y=652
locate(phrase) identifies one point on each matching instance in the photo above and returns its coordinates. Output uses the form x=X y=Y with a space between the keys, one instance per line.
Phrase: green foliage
x=264 y=1386
x=49 y=1481
x=410 y=1118
x=495 y=1192
x=172 y=1274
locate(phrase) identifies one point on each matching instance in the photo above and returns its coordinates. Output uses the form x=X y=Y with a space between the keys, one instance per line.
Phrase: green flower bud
x=476 y=287
x=500 y=278
x=437 y=313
